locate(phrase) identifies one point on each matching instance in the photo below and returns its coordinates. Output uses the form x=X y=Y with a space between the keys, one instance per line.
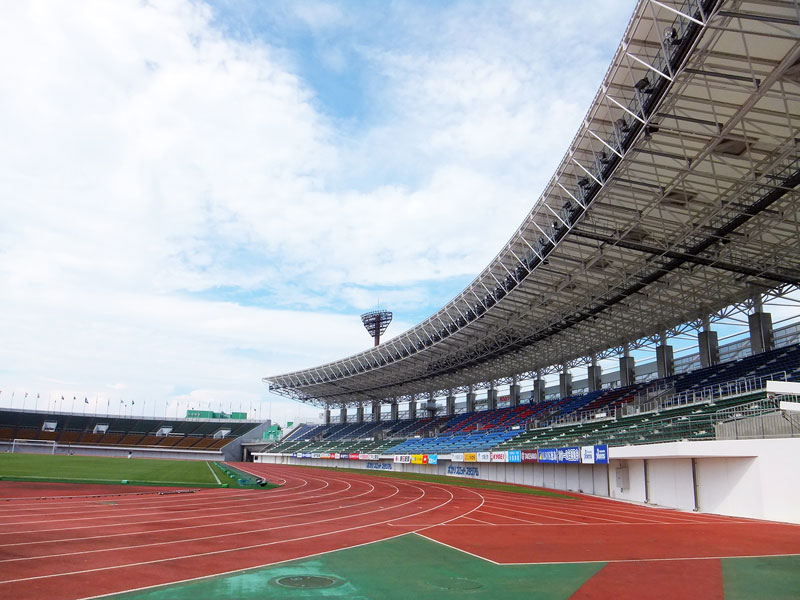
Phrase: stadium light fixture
x=376 y=322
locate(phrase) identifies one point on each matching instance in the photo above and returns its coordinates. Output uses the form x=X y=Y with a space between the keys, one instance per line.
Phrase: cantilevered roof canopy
x=677 y=197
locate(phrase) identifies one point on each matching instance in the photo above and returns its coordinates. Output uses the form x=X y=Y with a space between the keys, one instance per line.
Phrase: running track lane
x=83 y=546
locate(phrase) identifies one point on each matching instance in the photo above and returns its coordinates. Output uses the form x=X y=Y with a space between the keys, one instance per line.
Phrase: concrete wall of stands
x=117 y=451
x=744 y=478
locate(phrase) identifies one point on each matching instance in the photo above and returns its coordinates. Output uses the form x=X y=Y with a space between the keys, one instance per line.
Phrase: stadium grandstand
x=202 y=435
x=673 y=213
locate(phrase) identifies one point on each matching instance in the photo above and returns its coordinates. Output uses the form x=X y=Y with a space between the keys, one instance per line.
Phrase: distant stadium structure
x=674 y=209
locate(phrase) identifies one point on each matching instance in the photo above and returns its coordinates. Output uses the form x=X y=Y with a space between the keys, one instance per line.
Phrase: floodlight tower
x=376 y=322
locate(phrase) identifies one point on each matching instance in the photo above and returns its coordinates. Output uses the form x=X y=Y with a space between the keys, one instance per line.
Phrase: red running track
x=83 y=544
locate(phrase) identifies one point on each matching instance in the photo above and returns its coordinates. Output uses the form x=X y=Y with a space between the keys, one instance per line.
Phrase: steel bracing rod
x=692 y=258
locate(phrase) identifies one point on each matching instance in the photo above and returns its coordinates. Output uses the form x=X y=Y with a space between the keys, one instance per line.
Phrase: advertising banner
x=462 y=471
x=514 y=456
x=497 y=456
x=380 y=466
x=601 y=454
x=424 y=459
x=569 y=455
x=306 y=454
x=402 y=458
x=373 y=456
x=548 y=455
x=336 y=455
x=416 y=459
x=530 y=456
x=363 y=456
x=457 y=457
x=433 y=459
x=332 y=455
x=354 y=456
x=470 y=457
x=587 y=455
x=484 y=457
x=294 y=454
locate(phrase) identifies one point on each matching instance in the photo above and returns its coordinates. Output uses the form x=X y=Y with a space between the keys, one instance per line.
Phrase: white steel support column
x=343 y=415
x=395 y=409
x=412 y=407
x=450 y=404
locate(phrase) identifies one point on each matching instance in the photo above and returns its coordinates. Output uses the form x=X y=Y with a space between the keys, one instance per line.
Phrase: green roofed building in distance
x=210 y=414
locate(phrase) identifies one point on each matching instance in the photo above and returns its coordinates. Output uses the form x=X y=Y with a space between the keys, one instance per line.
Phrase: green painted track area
x=404 y=567
x=105 y=470
x=412 y=566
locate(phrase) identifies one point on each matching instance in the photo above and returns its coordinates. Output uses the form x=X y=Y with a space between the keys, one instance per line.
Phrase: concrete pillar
x=491 y=397
x=395 y=410
x=595 y=373
x=538 y=389
x=430 y=405
x=376 y=411
x=762 y=338
x=708 y=345
x=327 y=416
x=513 y=393
x=627 y=365
x=565 y=382
x=665 y=359
x=343 y=415
x=451 y=404
x=412 y=407
x=360 y=412
x=471 y=400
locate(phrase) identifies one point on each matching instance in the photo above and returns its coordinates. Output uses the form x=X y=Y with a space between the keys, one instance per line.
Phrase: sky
x=195 y=195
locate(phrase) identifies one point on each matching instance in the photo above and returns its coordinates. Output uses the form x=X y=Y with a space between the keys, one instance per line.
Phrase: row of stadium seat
x=506 y=427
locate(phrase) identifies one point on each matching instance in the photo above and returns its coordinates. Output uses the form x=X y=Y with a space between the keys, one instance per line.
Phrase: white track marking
x=229 y=550
x=208 y=464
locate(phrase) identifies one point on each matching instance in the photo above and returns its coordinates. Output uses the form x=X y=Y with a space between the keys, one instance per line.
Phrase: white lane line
x=208 y=464
x=243 y=548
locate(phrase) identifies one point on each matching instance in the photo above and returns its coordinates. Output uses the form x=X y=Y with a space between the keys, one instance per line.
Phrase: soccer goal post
x=33 y=446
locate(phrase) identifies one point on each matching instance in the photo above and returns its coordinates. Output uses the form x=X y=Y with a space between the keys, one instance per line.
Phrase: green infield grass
x=134 y=471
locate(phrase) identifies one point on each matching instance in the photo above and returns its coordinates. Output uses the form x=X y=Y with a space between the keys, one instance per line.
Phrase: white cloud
x=150 y=160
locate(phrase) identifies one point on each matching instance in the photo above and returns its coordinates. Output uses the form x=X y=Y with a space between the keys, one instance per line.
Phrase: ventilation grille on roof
x=601 y=264
x=730 y=147
x=678 y=198
x=637 y=234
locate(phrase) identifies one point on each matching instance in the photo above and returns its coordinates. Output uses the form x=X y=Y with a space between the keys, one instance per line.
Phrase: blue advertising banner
x=433 y=459
x=514 y=456
x=567 y=455
x=548 y=455
x=601 y=454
